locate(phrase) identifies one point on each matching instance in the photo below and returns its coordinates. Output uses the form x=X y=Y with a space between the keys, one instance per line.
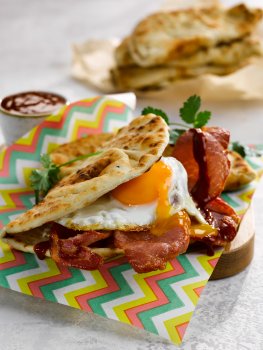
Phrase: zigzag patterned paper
x=161 y=302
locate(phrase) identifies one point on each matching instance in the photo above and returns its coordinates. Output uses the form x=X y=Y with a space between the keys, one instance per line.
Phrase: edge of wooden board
x=238 y=255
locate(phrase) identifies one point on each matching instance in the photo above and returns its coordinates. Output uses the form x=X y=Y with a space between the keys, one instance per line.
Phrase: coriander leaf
x=174 y=135
x=39 y=182
x=45 y=160
x=37 y=177
x=190 y=108
x=239 y=148
x=43 y=179
x=201 y=119
x=53 y=174
x=149 y=109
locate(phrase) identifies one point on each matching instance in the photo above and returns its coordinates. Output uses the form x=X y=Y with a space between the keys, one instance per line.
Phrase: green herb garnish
x=43 y=179
x=189 y=113
x=244 y=151
x=237 y=147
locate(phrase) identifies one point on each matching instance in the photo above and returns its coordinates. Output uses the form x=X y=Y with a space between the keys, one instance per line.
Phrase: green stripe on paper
x=124 y=116
x=125 y=289
x=48 y=289
x=31 y=263
x=174 y=301
x=229 y=200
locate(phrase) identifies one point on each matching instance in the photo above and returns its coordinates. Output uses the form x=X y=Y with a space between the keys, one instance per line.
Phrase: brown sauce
x=33 y=103
x=200 y=192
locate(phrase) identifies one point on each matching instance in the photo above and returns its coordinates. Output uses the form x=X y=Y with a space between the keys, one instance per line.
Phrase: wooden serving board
x=238 y=255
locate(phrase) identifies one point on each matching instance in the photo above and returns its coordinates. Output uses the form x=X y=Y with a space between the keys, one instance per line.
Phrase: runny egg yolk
x=149 y=187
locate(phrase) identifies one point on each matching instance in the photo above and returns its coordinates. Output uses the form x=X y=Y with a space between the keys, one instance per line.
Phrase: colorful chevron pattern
x=161 y=302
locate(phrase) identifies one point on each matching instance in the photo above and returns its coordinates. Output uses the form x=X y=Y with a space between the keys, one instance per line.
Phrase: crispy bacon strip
x=74 y=251
x=203 y=154
x=146 y=252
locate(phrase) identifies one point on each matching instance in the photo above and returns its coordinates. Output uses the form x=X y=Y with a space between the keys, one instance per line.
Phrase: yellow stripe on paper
x=53 y=271
x=189 y=290
x=149 y=295
x=6 y=195
x=100 y=283
x=204 y=261
x=27 y=140
x=8 y=254
x=172 y=323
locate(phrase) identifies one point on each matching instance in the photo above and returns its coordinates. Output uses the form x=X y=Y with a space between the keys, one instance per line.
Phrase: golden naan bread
x=169 y=46
x=240 y=174
x=166 y=36
x=226 y=54
x=133 y=150
x=139 y=78
x=79 y=147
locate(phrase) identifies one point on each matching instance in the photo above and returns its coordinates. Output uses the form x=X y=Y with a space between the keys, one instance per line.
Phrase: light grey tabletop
x=35 y=54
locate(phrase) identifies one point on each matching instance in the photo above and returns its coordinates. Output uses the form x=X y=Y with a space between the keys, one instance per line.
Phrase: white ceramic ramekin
x=15 y=122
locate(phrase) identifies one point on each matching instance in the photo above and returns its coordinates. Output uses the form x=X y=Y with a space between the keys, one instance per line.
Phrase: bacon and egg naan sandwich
x=131 y=199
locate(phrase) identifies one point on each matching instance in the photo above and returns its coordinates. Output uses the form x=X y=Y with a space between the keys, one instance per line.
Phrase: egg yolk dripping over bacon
x=149 y=187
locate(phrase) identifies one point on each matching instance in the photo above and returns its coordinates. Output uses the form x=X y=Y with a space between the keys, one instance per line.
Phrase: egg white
x=107 y=213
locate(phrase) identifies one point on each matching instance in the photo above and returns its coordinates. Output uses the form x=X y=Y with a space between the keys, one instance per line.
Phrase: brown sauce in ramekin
x=32 y=103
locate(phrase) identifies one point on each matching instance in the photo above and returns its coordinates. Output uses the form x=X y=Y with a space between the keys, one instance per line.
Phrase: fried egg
x=155 y=199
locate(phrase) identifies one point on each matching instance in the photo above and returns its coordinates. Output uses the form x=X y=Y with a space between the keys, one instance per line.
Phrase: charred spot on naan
x=88 y=172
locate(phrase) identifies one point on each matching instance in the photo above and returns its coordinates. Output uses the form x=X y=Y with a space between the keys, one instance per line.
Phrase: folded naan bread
x=225 y=54
x=74 y=149
x=165 y=36
x=139 y=78
x=170 y=46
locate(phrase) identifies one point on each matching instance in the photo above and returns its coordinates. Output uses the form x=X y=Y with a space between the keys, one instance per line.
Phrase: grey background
x=35 y=53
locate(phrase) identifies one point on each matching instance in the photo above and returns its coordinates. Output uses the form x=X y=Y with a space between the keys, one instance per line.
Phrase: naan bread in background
x=169 y=46
x=140 y=78
x=226 y=54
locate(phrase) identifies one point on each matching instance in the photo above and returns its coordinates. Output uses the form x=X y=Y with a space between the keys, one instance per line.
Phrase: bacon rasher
x=147 y=252
x=74 y=250
x=203 y=152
